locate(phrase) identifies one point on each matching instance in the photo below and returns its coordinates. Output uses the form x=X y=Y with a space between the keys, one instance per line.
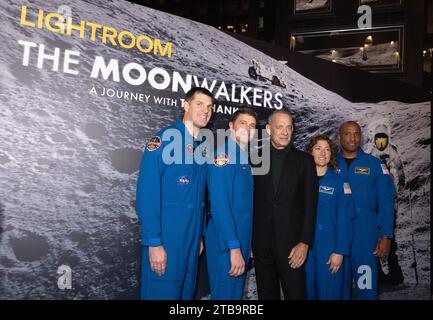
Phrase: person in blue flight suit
x=228 y=233
x=170 y=202
x=334 y=227
x=373 y=195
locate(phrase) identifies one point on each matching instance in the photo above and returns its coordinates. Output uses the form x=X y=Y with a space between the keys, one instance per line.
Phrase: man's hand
x=201 y=247
x=382 y=248
x=158 y=259
x=298 y=255
x=237 y=263
x=334 y=262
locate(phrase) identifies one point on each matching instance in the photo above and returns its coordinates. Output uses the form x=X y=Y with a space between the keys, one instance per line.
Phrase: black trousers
x=272 y=271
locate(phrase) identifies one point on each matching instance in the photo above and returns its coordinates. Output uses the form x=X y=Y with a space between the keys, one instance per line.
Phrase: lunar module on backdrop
x=265 y=73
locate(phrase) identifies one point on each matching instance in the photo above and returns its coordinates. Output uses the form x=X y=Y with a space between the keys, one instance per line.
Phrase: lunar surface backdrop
x=71 y=139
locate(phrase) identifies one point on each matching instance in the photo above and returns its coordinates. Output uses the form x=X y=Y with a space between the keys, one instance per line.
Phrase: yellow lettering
x=50 y=27
x=157 y=47
x=56 y=23
x=70 y=27
x=24 y=21
x=124 y=45
x=94 y=26
x=110 y=37
x=139 y=47
x=40 y=18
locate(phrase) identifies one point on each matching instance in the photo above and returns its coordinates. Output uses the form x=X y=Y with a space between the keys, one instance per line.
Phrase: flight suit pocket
x=176 y=236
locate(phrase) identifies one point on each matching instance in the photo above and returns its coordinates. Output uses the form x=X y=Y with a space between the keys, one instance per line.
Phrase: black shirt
x=348 y=161
x=277 y=159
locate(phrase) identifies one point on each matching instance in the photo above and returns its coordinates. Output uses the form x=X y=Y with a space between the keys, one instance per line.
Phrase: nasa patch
x=327 y=190
x=153 y=144
x=221 y=160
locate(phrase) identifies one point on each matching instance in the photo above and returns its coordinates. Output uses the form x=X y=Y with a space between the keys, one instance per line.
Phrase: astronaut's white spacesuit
x=383 y=149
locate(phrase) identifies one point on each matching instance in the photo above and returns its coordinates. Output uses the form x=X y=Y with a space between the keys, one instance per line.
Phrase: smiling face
x=322 y=153
x=243 y=128
x=198 y=110
x=280 y=129
x=350 y=137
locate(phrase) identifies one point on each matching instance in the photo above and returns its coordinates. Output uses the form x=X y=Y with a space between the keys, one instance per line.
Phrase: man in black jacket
x=285 y=203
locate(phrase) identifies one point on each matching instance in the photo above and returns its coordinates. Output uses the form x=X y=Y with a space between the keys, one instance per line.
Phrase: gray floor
x=395 y=292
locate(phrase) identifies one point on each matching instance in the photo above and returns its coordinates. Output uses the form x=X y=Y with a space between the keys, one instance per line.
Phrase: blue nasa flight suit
x=170 y=207
x=373 y=195
x=230 y=185
x=334 y=234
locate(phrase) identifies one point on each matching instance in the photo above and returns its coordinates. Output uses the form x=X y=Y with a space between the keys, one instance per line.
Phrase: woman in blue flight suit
x=334 y=227
x=229 y=230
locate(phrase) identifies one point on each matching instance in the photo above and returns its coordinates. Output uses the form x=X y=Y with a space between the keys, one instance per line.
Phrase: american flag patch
x=384 y=169
x=346 y=188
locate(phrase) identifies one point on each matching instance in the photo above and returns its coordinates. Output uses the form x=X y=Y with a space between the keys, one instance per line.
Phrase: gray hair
x=286 y=112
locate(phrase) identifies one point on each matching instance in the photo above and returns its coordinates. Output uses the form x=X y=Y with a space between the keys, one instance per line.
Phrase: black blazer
x=289 y=215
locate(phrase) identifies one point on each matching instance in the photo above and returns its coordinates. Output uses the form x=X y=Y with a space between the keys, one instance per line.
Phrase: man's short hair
x=244 y=110
x=283 y=111
x=190 y=94
x=340 y=130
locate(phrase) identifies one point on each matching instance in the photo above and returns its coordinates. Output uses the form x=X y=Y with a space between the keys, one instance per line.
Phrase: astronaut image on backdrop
x=382 y=148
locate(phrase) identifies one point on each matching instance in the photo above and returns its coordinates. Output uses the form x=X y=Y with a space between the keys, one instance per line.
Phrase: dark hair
x=244 y=110
x=340 y=130
x=190 y=94
x=332 y=145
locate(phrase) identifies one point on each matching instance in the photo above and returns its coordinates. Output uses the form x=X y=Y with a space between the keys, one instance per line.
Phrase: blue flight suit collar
x=360 y=154
x=330 y=173
x=241 y=155
x=180 y=125
x=329 y=177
